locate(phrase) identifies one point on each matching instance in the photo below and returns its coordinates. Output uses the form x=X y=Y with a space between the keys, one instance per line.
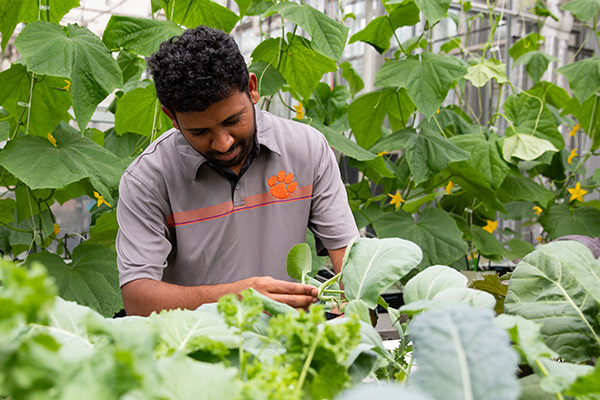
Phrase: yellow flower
x=491 y=226
x=539 y=239
x=67 y=86
x=52 y=140
x=574 y=130
x=56 y=229
x=396 y=199
x=382 y=153
x=299 y=111
x=100 y=200
x=438 y=111
x=449 y=187
x=538 y=210
x=573 y=154
x=577 y=193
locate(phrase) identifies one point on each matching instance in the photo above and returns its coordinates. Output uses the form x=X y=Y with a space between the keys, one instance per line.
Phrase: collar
x=192 y=160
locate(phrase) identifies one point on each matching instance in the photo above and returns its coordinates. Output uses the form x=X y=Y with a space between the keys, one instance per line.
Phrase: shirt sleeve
x=331 y=219
x=143 y=241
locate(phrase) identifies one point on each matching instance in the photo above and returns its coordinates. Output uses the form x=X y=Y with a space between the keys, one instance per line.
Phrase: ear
x=170 y=115
x=253 y=87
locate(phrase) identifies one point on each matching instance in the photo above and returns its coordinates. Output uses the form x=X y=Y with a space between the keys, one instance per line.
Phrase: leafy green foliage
x=12 y=13
x=374 y=265
x=546 y=288
x=90 y=279
x=192 y=13
x=49 y=103
x=427 y=78
x=48 y=50
x=536 y=63
x=300 y=65
x=583 y=76
x=328 y=36
x=482 y=73
x=444 y=341
x=139 y=112
x=299 y=262
x=380 y=30
x=137 y=35
x=435 y=233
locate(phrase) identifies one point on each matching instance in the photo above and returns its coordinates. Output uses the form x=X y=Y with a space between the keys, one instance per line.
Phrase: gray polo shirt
x=179 y=221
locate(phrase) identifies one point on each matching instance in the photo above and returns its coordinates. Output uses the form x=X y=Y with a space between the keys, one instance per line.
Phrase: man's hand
x=293 y=294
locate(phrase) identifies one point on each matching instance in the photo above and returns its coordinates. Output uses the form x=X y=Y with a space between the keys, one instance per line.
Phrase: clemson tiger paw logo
x=282 y=185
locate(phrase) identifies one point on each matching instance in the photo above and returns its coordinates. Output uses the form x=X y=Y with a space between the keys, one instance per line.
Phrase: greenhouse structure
x=284 y=199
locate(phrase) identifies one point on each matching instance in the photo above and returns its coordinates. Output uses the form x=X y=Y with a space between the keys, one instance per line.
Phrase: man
x=214 y=205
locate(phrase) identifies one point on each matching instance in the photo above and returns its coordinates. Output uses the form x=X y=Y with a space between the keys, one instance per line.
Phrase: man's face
x=224 y=132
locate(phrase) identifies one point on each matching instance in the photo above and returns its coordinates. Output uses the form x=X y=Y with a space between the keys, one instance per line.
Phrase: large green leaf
x=137 y=35
x=355 y=82
x=300 y=65
x=517 y=187
x=543 y=289
x=90 y=279
x=465 y=354
x=49 y=102
x=40 y=165
x=427 y=78
x=485 y=71
x=431 y=281
x=104 y=231
x=583 y=10
x=139 y=112
x=380 y=30
x=529 y=43
x=525 y=147
x=373 y=265
x=299 y=262
x=435 y=232
x=551 y=94
x=7 y=211
x=68 y=324
x=452 y=121
x=451 y=297
x=132 y=68
x=583 y=76
x=342 y=144
x=427 y=152
x=526 y=338
x=588 y=115
x=433 y=10
x=328 y=36
x=588 y=384
x=382 y=391
x=77 y=54
x=12 y=12
x=486 y=243
x=485 y=157
x=581 y=264
x=530 y=116
x=184 y=378
x=188 y=330
x=562 y=220
x=367 y=113
x=191 y=13
x=536 y=63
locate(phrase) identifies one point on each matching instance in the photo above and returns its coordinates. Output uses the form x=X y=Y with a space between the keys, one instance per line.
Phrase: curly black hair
x=196 y=69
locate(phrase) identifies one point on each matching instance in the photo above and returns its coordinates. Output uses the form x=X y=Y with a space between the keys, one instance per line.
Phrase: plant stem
x=16 y=229
x=308 y=360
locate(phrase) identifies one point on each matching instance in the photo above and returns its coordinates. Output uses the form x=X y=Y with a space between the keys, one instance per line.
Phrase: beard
x=244 y=145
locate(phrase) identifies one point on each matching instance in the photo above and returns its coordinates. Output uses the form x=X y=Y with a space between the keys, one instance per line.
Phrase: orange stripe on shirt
x=224 y=209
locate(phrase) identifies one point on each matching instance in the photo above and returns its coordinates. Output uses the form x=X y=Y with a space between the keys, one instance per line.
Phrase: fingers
x=296 y=295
